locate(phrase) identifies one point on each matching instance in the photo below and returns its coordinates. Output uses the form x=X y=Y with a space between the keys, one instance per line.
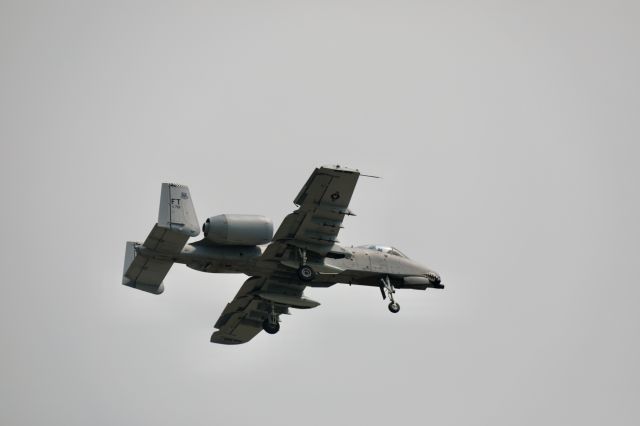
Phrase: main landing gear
x=271 y=324
x=387 y=290
x=305 y=272
x=271 y=328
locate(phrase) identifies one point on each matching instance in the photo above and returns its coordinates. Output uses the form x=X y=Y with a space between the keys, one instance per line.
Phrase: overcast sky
x=506 y=133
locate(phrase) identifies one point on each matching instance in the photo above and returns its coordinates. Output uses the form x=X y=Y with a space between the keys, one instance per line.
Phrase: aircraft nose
x=432 y=275
x=436 y=282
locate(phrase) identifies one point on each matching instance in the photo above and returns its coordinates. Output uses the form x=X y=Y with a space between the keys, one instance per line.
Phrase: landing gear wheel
x=305 y=273
x=270 y=327
x=394 y=307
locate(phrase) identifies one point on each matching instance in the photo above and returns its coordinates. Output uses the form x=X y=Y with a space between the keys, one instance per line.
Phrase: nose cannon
x=434 y=280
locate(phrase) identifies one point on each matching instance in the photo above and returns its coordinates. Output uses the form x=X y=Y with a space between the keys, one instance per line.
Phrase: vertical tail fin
x=176 y=210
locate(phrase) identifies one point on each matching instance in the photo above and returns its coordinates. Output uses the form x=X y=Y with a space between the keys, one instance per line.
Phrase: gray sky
x=507 y=135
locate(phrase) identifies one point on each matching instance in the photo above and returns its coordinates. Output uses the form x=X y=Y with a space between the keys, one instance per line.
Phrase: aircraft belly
x=320 y=268
x=220 y=259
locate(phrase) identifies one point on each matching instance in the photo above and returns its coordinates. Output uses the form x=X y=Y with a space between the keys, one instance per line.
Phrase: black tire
x=271 y=328
x=306 y=273
x=394 y=307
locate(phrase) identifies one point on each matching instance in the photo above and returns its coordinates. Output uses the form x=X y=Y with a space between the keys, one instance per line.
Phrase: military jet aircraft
x=303 y=252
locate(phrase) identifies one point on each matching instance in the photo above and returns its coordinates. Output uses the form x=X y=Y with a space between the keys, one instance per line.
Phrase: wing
x=323 y=203
x=257 y=299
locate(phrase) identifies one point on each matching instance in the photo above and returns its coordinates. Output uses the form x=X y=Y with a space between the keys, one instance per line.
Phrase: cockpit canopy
x=384 y=249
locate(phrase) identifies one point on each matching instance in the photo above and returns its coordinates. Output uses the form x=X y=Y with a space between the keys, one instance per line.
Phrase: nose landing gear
x=387 y=290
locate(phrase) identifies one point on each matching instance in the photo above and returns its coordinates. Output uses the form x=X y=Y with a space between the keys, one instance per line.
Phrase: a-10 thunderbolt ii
x=303 y=252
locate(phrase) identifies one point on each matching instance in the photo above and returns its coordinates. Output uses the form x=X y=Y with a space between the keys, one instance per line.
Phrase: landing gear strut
x=387 y=290
x=305 y=272
x=271 y=324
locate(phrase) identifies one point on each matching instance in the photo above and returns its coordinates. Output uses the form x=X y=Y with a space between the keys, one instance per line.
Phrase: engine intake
x=238 y=229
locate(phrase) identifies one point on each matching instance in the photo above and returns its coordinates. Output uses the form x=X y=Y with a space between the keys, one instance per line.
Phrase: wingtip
x=178 y=185
x=224 y=339
x=340 y=168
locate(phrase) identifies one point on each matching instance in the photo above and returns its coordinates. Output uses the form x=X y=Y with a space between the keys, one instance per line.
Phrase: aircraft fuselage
x=360 y=266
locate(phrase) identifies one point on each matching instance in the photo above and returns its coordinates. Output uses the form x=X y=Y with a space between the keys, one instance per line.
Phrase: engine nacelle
x=238 y=229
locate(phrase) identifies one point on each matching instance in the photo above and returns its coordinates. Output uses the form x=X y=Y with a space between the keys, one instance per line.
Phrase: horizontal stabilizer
x=142 y=272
